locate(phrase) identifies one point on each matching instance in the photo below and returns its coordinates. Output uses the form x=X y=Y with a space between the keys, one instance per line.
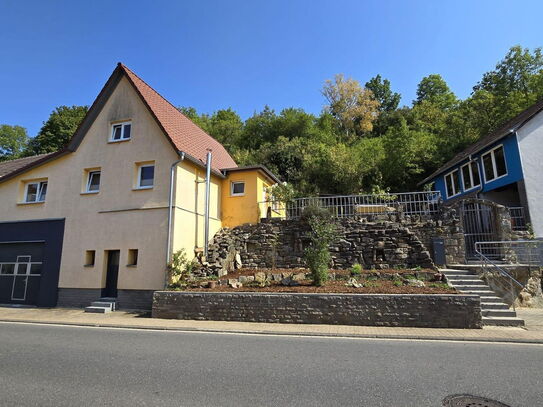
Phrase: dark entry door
x=112 y=274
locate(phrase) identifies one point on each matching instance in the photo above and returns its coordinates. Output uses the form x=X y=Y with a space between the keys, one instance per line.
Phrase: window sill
x=132 y=265
x=30 y=203
x=142 y=188
x=236 y=195
x=118 y=141
x=88 y=265
x=495 y=179
x=90 y=192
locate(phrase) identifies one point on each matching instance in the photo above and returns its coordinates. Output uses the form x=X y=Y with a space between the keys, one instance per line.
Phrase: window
x=146 y=176
x=121 y=131
x=132 y=257
x=90 y=258
x=237 y=188
x=35 y=192
x=452 y=184
x=470 y=175
x=494 y=164
x=93 y=181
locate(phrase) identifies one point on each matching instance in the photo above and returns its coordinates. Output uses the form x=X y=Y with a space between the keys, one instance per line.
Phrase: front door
x=112 y=274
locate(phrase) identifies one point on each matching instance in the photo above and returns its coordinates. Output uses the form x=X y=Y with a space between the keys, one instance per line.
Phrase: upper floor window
x=494 y=164
x=452 y=184
x=35 y=191
x=93 y=181
x=470 y=175
x=120 y=131
x=146 y=176
x=237 y=188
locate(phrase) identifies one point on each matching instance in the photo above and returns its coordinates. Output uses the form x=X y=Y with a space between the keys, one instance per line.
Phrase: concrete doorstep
x=533 y=333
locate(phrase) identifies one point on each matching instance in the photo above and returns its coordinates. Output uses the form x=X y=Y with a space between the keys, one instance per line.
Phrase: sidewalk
x=533 y=333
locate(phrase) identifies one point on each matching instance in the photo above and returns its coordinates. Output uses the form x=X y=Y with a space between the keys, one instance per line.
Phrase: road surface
x=44 y=365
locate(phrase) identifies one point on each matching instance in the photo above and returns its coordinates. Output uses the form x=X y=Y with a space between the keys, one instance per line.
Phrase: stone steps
x=494 y=311
x=102 y=306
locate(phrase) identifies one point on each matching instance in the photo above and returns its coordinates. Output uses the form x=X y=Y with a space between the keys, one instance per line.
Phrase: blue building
x=505 y=167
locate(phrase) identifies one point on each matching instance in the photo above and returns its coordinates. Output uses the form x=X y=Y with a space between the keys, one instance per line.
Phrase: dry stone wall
x=397 y=242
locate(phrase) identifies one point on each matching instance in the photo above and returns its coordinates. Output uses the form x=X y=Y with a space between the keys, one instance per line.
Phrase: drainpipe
x=208 y=191
x=170 y=206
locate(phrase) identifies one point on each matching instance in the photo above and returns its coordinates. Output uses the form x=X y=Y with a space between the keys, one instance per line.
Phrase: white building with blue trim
x=505 y=167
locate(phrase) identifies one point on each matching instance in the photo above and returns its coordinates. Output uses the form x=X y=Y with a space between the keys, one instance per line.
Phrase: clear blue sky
x=245 y=54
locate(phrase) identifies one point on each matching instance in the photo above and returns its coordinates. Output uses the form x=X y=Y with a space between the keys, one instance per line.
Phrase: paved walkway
x=533 y=333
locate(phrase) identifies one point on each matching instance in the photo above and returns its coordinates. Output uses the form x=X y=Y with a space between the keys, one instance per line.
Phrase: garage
x=30 y=254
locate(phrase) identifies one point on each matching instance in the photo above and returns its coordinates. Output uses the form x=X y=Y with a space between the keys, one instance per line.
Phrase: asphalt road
x=44 y=365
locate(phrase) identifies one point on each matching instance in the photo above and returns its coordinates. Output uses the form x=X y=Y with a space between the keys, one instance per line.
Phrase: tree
x=353 y=106
x=388 y=100
x=13 y=141
x=434 y=89
x=57 y=130
x=226 y=126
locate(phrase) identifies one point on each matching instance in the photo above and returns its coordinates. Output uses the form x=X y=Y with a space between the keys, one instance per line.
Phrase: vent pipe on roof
x=208 y=191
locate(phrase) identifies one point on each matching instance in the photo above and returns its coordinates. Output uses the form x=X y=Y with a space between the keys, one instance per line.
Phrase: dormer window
x=120 y=131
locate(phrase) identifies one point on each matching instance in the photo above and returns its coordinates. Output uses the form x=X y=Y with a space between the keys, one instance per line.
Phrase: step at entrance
x=495 y=312
x=102 y=306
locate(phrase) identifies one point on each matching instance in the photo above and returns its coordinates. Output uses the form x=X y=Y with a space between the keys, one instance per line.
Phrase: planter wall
x=419 y=310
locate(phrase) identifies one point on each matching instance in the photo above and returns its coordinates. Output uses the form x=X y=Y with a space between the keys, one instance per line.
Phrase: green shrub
x=356 y=270
x=397 y=283
x=322 y=233
x=179 y=268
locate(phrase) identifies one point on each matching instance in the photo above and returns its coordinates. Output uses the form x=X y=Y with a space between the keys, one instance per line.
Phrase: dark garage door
x=20 y=272
x=30 y=253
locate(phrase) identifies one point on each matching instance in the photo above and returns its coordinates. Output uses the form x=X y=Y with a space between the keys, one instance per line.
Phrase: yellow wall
x=189 y=211
x=249 y=208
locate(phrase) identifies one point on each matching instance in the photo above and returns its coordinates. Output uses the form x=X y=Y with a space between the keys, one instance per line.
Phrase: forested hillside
x=362 y=141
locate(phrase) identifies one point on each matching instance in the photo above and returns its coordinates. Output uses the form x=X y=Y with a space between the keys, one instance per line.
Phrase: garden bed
x=389 y=281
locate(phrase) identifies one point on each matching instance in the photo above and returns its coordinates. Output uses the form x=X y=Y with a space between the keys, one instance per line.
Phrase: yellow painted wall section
x=249 y=208
x=188 y=229
x=119 y=217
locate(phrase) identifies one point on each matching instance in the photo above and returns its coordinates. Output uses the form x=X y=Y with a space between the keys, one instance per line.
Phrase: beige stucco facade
x=121 y=216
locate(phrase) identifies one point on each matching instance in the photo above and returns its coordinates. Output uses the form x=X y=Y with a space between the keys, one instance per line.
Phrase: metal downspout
x=207 y=197
x=170 y=207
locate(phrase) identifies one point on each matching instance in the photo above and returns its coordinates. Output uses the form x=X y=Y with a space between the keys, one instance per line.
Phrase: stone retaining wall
x=398 y=242
x=420 y=310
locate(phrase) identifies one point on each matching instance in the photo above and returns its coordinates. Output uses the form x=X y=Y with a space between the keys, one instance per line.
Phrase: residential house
x=102 y=216
x=504 y=167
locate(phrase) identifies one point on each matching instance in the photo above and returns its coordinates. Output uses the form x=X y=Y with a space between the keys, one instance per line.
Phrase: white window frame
x=469 y=165
x=455 y=192
x=232 y=193
x=138 y=181
x=494 y=167
x=123 y=138
x=89 y=177
x=39 y=189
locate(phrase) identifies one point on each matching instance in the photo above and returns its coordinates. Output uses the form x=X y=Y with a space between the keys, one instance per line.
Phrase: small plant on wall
x=322 y=233
x=179 y=268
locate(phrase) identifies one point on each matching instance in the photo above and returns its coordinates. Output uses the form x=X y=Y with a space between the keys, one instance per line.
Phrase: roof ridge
x=166 y=100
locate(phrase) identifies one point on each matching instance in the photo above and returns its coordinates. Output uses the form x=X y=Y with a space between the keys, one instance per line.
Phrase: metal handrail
x=502 y=246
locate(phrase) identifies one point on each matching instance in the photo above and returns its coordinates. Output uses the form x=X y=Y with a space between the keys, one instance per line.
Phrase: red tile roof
x=184 y=134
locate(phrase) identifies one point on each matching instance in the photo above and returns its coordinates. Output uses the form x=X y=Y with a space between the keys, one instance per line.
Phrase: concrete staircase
x=494 y=310
x=102 y=306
